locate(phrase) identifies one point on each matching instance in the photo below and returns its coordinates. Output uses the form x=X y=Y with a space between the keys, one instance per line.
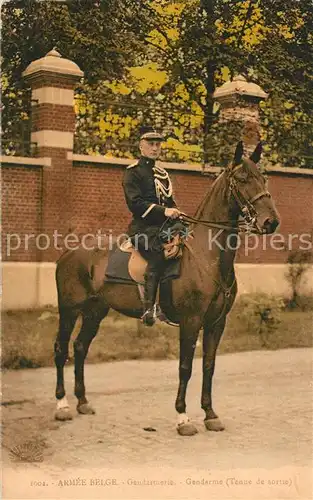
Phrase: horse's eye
x=241 y=177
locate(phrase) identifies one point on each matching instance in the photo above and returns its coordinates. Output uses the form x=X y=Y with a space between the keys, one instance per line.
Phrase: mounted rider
x=149 y=196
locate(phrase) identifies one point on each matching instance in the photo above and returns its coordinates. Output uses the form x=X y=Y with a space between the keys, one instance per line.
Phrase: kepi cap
x=150 y=134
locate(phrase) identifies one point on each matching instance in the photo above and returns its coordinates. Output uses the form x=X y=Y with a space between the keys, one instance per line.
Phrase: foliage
x=274 y=49
x=194 y=47
x=100 y=36
x=159 y=62
x=299 y=262
x=28 y=342
x=262 y=313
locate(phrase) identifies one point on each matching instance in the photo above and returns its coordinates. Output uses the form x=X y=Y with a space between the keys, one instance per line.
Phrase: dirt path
x=263 y=398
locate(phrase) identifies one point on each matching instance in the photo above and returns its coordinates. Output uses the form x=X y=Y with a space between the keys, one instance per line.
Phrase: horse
x=202 y=295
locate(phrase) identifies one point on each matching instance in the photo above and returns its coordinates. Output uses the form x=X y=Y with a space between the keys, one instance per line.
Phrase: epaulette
x=132 y=165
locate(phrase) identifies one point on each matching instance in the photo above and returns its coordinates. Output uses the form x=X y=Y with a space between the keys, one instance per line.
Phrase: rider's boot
x=150 y=290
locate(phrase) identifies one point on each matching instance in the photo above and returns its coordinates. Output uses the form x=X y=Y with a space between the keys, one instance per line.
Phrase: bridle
x=248 y=225
x=246 y=207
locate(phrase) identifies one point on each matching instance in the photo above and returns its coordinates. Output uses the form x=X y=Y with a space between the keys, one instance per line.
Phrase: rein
x=209 y=223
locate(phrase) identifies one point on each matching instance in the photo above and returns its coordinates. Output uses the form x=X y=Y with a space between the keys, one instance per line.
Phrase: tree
x=99 y=35
x=270 y=41
x=195 y=46
x=187 y=48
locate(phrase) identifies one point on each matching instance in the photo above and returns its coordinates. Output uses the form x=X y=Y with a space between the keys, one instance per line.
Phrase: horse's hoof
x=187 y=429
x=85 y=409
x=214 y=424
x=63 y=414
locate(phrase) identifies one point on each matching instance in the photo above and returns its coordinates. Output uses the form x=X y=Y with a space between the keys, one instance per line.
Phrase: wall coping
x=106 y=160
x=23 y=160
x=192 y=167
x=290 y=170
x=53 y=62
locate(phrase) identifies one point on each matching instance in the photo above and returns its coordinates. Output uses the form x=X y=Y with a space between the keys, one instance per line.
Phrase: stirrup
x=149 y=316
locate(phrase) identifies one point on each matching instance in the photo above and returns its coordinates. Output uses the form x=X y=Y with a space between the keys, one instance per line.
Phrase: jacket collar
x=147 y=162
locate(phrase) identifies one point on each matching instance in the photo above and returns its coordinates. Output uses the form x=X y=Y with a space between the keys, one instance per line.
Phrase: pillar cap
x=53 y=62
x=239 y=86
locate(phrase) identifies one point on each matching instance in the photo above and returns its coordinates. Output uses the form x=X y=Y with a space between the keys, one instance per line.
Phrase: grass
x=28 y=337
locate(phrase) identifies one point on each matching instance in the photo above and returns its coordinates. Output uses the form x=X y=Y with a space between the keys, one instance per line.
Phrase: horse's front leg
x=189 y=331
x=211 y=338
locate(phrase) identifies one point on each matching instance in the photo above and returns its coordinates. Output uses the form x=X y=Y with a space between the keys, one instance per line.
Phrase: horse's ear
x=238 y=153
x=256 y=155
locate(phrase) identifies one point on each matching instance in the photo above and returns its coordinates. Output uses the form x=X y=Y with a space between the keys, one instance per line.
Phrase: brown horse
x=202 y=295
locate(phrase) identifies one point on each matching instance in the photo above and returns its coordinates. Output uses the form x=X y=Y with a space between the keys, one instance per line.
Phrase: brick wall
x=53 y=117
x=54 y=80
x=98 y=203
x=21 y=209
x=293 y=196
x=98 y=199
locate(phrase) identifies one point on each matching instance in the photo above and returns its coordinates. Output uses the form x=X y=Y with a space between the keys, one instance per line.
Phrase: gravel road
x=264 y=398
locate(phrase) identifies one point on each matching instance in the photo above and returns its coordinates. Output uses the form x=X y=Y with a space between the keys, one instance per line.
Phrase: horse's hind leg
x=189 y=331
x=67 y=320
x=91 y=322
x=211 y=338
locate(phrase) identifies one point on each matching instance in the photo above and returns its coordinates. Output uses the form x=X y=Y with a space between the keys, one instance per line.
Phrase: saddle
x=127 y=266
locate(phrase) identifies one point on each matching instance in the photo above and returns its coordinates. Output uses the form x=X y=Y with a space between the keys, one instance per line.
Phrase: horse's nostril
x=270 y=225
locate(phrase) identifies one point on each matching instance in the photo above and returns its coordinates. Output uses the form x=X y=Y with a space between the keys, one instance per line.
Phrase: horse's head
x=249 y=196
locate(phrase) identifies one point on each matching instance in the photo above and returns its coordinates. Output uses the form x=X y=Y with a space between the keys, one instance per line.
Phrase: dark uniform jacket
x=148 y=192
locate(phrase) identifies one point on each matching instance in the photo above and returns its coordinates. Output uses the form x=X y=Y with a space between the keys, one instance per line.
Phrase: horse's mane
x=209 y=195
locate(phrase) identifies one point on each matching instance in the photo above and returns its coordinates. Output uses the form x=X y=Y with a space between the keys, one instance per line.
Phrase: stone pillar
x=239 y=114
x=52 y=80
